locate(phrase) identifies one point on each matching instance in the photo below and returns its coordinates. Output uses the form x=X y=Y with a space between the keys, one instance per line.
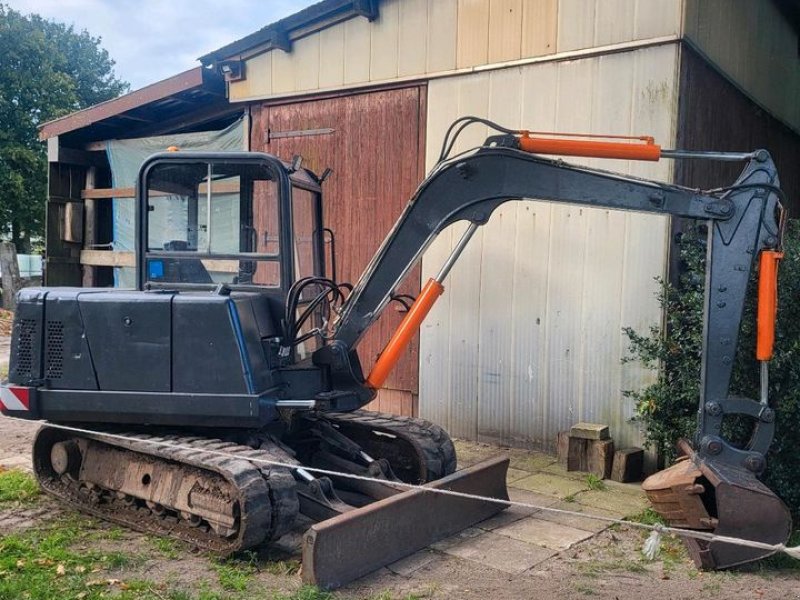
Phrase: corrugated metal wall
x=527 y=339
x=413 y=38
x=754 y=44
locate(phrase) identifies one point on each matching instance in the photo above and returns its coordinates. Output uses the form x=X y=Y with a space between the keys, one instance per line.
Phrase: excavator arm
x=744 y=223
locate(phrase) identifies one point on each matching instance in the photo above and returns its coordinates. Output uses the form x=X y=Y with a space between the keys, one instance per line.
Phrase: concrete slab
x=515 y=513
x=454 y=540
x=544 y=533
x=410 y=564
x=551 y=484
x=577 y=522
x=470 y=453
x=500 y=552
x=616 y=503
x=531 y=461
x=515 y=474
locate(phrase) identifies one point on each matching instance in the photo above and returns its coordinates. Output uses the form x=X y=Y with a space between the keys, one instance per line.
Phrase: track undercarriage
x=222 y=494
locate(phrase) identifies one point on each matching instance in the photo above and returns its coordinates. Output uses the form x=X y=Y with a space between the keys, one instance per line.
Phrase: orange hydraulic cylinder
x=404 y=333
x=767 y=302
x=648 y=150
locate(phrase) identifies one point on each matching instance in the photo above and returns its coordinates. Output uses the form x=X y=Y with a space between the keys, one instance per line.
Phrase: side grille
x=55 y=349
x=27 y=333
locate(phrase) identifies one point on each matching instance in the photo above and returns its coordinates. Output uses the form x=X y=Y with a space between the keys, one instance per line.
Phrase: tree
x=47 y=70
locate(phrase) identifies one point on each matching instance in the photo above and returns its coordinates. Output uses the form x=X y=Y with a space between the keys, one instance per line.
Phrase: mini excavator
x=224 y=395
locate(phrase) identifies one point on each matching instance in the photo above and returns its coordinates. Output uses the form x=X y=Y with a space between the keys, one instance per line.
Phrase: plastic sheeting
x=126 y=156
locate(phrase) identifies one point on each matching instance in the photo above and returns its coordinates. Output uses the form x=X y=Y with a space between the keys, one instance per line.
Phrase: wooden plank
x=413 y=37
x=442 y=35
x=107 y=258
x=306 y=63
x=473 y=33
x=90 y=227
x=384 y=40
x=331 y=56
x=283 y=72
x=257 y=81
x=505 y=30
x=72 y=226
x=539 y=27
x=356 y=50
x=222 y=187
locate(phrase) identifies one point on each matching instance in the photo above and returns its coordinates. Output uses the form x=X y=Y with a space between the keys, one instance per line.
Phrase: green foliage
x=47 y=70
x=16 y=486
x=668 y=408
x=595 y=483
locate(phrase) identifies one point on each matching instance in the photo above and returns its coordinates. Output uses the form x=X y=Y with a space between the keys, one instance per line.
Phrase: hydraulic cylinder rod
x=415 y=316
x=767 y=314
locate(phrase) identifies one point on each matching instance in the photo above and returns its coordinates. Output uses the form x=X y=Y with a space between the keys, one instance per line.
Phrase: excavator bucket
x=728 y=501
x=354 y=543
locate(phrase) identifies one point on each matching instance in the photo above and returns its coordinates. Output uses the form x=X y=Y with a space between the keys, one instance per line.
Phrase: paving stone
x=509 y=515
x=410 y=564
x=515 y=474
x=453 y=540
x=470 y=453
x=500 y=552
x=551 y=484
x=618 y=504
x=532 y=461
x=544 y=533
x=577 y=522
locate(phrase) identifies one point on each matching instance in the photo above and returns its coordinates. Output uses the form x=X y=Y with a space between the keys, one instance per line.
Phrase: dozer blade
x=360 y=541
x=700 y=494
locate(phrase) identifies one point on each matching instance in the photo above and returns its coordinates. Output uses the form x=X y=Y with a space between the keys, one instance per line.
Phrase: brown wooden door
x=374 y=142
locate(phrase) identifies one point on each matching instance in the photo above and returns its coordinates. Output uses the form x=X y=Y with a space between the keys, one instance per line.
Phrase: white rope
x=793 y=551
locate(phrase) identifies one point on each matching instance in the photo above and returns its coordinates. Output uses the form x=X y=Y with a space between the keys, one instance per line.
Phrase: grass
x=44 y=564
x=17 y=486
x=593 y=568
x=595 y=483
x=647 y=517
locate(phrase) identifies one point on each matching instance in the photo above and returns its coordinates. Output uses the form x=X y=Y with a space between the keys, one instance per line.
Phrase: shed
x=528 y=336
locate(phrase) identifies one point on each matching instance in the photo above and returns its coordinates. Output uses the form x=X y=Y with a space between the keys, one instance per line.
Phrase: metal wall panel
x=752 y=43
x=421 y=37
x=527 y=338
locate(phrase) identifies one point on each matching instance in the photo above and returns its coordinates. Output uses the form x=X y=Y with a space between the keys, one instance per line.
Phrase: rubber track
x=431 y=441
x=267 y=496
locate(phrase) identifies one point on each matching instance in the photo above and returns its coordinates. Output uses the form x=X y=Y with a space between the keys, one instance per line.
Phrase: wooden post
x=90 y=227
x=10 y=270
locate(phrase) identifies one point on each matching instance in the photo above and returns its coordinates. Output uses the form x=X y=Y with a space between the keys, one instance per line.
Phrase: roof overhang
x=281 y=34
x=163 y=107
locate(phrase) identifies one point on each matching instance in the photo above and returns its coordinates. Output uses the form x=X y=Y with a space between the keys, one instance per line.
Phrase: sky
x=154 y=39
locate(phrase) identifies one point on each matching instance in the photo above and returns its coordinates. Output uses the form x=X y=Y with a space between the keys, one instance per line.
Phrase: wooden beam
x=107 y=258
x=224 y=187
x=110 y=258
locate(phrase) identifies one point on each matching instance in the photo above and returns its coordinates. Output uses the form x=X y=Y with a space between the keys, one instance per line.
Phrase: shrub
x=668 y=408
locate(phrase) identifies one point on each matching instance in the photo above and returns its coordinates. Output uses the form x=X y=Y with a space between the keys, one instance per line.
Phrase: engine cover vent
x=55 y=349
x=27 y=333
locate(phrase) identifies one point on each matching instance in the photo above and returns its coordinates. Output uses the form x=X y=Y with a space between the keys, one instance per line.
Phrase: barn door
x=374 y=144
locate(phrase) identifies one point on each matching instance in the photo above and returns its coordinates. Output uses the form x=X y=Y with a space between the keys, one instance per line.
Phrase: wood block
x=562 y=447
x=600 y=457
x=577 y=456
x=628 y=464
x=589 y=431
